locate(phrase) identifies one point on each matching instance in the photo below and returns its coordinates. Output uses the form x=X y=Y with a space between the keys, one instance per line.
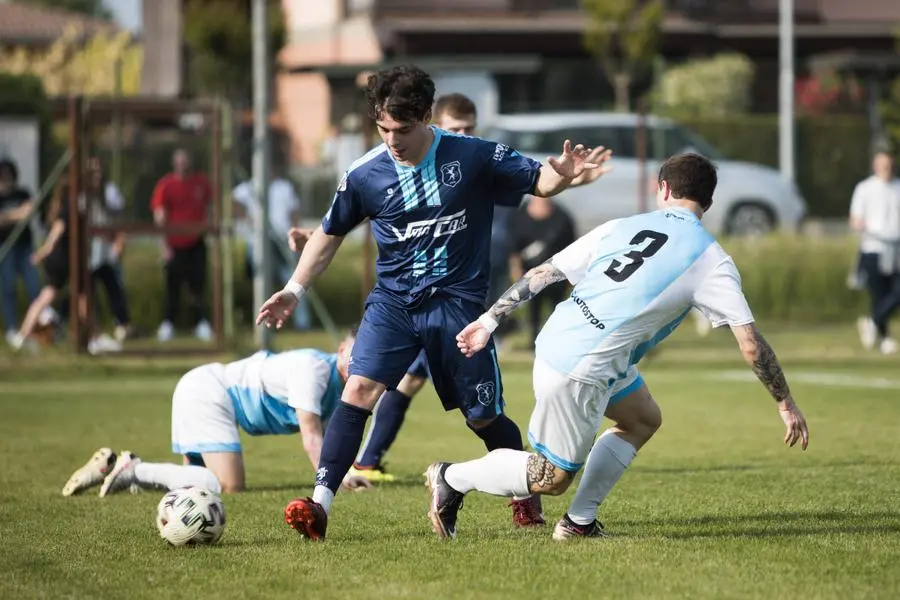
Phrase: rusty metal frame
x=83 y=114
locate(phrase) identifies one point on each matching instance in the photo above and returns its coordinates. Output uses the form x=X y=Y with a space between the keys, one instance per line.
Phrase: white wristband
x=295 y=288
x=488 y=322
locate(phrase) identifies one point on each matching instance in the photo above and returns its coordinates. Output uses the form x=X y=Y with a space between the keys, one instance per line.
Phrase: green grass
x=714 y=507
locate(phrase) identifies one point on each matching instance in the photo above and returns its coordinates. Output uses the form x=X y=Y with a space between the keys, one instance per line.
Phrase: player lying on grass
x=635 y=280
x=264 y=394
x=429 y=196
x=457 y=114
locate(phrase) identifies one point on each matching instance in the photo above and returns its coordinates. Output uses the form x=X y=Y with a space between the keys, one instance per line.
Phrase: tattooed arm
x=475 y=336
x=762 y=360
x=530 y=285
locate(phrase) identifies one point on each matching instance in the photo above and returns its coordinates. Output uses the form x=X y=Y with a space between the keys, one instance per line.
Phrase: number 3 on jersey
x=436 y=261
x=619 y=272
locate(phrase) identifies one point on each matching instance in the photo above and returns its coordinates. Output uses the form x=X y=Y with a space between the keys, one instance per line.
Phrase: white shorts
x=567 y=413
x=202 y=413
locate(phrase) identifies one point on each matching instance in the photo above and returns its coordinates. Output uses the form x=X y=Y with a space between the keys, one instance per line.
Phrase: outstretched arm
x=527 y=287
x=762 y=360
x=475 y=336
x=317 y=255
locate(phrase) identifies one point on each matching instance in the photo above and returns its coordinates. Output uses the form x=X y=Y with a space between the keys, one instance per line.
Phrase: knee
x=545 y=478
x=362 y=392
x=641 y=426
x=411 y=385
x=479 y=424
x=231 y=487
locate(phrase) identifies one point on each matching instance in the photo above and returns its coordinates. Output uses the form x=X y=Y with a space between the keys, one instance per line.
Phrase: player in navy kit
x=430 y=196
x=455 y=113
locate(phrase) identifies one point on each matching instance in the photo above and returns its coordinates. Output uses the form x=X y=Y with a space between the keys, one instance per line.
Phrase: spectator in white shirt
x=284 y=213
x=875 y=214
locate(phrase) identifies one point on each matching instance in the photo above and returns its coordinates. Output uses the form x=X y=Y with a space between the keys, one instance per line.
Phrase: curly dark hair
x=690 y=177
x=406 y=93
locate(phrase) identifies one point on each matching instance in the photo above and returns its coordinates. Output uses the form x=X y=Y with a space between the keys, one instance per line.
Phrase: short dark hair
x=9 y=165
x=690 y=177
x=455 y=105
x=406 y=93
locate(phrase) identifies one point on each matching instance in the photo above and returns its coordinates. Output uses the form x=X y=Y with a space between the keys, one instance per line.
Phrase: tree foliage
x=218 y=34
x=890 y=112
x=623 y=35
x=93 y=8
x=711 y=87
x=72 y=66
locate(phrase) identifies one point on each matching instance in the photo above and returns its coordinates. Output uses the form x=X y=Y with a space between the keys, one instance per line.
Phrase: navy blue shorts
x=419 y=368
x=390 y=339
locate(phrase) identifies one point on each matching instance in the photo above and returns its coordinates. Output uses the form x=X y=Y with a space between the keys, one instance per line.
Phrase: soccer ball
x=190 y=515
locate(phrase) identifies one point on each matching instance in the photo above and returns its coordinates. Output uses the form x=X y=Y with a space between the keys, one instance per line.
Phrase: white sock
x=501 y=473
x=609 y=458
x=171 y=476
x=323 y=496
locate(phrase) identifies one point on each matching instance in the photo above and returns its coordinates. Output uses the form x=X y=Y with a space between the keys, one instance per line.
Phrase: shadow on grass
x=760 y=467
x=762 y=525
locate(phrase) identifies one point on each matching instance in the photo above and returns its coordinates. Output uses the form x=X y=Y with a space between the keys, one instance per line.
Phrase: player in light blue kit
x=263 y=394
x=635 y=280
x=430 y=197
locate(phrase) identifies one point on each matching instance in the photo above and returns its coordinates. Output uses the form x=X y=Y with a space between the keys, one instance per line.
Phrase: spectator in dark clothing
x=183 y=198
x=15 y=205
x=537 y=231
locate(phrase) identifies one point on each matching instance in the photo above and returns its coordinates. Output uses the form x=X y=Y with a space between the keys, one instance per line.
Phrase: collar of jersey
x=686 y=212
x=429 y=158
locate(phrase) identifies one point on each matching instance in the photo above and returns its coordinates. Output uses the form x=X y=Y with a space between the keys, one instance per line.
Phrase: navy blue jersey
x=432 y=222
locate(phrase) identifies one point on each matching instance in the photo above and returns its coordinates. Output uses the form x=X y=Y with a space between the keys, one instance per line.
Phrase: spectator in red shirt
x=182 y=198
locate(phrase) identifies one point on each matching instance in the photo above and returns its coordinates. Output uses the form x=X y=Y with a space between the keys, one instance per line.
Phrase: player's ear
x=429 y=116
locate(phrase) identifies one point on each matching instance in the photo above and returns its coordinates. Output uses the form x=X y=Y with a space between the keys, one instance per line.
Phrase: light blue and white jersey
x=267 y=389
x=635 y=280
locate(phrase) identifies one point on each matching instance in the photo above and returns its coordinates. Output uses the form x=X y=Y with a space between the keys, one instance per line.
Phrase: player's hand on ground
x=277 y=309
x=795 y=424
x=598 y=156
x=573 y=161
x=356 y=483
x=297 y=238
x=472 y=339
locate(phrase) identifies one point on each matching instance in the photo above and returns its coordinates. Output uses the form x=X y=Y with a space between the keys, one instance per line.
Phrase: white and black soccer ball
x=190 y=515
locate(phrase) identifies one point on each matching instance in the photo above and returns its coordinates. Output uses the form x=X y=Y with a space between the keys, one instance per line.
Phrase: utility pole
x=262 y=284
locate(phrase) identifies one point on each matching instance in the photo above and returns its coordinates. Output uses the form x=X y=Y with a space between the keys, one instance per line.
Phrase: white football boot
x=122 y=475
x=92 y=473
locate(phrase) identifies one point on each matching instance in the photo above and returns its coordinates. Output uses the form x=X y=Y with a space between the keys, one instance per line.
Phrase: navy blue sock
x=501 y=433
x=388 y=419
x=340 y=443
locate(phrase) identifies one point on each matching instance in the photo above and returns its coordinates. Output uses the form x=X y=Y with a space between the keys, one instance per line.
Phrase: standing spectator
x=15 y=204
x=284 y=214
x=183 y=198
x=103 y=201
x=875 y=214
x=539 y=230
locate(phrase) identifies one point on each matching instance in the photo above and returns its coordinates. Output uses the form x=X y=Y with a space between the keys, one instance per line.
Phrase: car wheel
x=751 y=220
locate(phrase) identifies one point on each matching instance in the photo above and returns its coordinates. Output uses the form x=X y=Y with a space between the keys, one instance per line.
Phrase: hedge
x=796 y=278
x=832 y=153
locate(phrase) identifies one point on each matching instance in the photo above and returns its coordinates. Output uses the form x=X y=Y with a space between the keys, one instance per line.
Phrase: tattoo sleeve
x=526 y=288
x=767 y=369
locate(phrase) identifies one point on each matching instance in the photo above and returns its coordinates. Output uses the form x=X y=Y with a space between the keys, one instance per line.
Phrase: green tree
x=94 y=8
x=890 y=112
x=72 y=67
x=709 y=87
x=220 y=45
x=623 y=35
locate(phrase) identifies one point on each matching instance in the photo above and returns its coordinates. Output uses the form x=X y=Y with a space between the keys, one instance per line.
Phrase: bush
x=801 y=279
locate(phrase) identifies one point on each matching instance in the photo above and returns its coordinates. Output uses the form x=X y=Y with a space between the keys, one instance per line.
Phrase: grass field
x=714 y=507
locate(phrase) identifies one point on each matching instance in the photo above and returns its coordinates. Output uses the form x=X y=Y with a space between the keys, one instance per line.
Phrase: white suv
x=750 y=199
